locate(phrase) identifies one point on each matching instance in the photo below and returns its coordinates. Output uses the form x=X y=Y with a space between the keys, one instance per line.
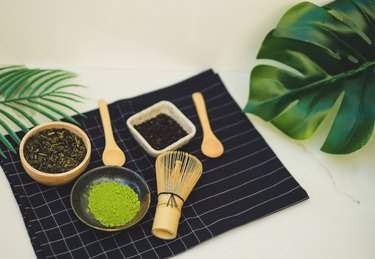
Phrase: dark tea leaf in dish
x=161 y=131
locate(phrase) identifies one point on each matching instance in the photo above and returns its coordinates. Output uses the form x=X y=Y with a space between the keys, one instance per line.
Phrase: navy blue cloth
x=248 y=182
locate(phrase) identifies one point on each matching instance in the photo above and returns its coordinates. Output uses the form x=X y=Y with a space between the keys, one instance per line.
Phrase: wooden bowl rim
x=59 y=125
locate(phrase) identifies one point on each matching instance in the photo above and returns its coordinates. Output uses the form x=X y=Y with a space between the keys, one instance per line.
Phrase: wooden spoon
x=211 y=145
x=112 y=154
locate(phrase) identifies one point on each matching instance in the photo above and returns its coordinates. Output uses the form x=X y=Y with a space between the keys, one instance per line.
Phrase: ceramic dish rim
x=172 y=146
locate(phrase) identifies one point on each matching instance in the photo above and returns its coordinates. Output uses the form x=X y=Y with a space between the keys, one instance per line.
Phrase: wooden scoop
x=211 y=145
x=112 y=154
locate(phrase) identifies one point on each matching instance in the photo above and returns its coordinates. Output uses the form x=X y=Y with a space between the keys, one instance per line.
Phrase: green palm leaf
x=64 y=105
x=15 y=120
x=9 y=76
x=29 y=84
x=37 y=109
x=23 y=113
x=56 y=82
x=64 y=75
x=57 y=111
x=21 y=81
x=6 y=142
x=39 y=90
x=10 y=132
x=328 y=52
x=68 y=86
x=65 y=97
x=70 y=94
x=8 y=67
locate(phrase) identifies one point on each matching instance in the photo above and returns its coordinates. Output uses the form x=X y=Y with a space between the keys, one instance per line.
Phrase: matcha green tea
x=113 y=204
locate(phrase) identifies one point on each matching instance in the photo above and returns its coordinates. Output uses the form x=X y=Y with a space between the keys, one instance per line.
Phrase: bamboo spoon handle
x=106 y=122
x=200 y=105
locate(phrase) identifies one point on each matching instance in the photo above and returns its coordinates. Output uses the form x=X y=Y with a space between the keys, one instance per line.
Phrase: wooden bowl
x=55 y=179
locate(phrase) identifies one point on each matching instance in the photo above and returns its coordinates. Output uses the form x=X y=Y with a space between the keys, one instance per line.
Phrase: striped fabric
x=246 y=183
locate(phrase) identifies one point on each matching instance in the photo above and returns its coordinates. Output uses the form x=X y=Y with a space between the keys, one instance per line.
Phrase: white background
x=123 y=48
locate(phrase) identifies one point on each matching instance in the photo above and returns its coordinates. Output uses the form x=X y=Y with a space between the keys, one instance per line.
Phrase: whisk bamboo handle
x=166 y=218
x=200 y=105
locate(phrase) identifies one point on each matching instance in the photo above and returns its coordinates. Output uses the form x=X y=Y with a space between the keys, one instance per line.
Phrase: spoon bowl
x=113 y=156
x=212 y=147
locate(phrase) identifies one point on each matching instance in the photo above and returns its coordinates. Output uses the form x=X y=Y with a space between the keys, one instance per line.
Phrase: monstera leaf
x=323 y=55
x=24 y=91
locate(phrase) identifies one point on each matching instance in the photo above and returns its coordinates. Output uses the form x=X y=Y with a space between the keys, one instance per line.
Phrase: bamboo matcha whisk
x=176 y=175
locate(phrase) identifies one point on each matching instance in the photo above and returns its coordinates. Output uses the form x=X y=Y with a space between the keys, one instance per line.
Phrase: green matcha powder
x=113 y=204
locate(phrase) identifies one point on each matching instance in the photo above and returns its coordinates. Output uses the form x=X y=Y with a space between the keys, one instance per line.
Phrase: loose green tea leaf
x=54 y=150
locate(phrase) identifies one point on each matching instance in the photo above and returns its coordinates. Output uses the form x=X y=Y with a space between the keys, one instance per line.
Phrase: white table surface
x=123 y=48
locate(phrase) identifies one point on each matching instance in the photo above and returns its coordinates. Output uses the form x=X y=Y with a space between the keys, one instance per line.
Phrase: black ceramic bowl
x=121 y=175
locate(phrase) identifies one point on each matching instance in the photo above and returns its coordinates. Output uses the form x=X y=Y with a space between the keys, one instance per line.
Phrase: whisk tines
x=177 y=172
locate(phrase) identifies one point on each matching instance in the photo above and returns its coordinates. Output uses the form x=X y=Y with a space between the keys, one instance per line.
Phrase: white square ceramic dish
x=172 y=111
